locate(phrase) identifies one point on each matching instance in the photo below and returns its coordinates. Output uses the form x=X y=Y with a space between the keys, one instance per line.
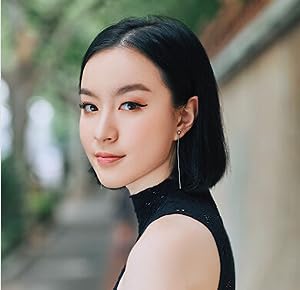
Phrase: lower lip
x=107 y=160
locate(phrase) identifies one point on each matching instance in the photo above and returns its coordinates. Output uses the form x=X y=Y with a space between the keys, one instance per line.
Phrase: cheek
x=153 y=134
x=85 y=133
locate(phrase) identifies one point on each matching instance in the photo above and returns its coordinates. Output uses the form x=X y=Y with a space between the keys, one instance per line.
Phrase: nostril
x=100 y=138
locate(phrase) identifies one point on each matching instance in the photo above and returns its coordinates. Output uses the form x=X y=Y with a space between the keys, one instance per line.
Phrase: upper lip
x=107 y=154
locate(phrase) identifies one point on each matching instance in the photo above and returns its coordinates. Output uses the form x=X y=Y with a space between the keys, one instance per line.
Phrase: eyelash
x=83 y=106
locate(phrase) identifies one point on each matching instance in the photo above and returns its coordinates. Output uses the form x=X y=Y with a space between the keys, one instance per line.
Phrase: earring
x=178 y=166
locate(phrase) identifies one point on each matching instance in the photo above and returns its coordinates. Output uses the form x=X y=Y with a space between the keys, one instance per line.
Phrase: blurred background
x=59 y=229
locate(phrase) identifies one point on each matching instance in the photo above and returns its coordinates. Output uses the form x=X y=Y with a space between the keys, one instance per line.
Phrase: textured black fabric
x=165 y=198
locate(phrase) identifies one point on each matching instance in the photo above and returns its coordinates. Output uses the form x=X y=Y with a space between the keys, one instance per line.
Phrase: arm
x=174 y=253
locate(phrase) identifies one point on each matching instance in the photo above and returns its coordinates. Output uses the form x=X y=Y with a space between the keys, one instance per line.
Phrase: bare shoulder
x=174 y=252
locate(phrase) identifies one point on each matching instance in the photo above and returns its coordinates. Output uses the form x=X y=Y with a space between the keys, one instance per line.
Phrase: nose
x=106 y=130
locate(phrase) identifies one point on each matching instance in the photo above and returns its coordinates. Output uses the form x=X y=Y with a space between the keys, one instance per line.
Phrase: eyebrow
x=120 y=91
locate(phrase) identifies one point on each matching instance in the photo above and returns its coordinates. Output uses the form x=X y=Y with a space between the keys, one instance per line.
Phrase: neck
x=143 y=183
x=160 y=173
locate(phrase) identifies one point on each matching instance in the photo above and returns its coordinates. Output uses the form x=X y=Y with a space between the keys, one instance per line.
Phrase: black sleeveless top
x=165 y=198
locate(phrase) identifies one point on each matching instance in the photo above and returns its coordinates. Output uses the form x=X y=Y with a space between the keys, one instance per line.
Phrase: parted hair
x=186 y=70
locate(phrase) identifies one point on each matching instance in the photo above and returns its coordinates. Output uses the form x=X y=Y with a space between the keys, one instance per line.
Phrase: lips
x=107 y=155
x=105 y=158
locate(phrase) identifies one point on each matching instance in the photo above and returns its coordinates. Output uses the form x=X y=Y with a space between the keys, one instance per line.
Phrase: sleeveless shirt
x=165 y=198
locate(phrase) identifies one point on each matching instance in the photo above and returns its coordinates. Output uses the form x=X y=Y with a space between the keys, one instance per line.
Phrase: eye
x=87 y=107
x=132 y=105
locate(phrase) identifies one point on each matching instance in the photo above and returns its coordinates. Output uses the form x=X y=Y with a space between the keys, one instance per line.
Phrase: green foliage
x=20 y=210
x=12 y=205
x=8 y=44
x=40 y=205
x=65 y=28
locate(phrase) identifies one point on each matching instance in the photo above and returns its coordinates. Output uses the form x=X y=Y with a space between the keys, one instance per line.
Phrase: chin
x=111 y=183
x=112 y=186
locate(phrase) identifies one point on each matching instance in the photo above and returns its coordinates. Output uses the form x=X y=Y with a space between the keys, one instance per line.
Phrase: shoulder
x=174 y=252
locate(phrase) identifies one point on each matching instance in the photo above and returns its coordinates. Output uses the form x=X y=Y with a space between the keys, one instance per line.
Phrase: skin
x=146 y=136
x=185 y=257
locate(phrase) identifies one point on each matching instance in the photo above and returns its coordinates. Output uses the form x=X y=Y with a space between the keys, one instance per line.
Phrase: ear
x=187 y=116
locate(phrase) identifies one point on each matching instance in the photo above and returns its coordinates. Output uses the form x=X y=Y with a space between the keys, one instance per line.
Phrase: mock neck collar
x=145 y=202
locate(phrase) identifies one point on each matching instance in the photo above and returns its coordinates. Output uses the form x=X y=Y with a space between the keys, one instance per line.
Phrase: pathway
x=71 y=256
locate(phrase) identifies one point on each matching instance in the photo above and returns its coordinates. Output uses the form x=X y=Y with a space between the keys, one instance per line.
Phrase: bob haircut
x=185 y=68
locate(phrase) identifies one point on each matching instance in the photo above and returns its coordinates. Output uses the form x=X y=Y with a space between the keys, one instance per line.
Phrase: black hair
x=186 y=70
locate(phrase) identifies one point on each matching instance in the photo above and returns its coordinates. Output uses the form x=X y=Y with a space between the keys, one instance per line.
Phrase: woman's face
x=127 y=111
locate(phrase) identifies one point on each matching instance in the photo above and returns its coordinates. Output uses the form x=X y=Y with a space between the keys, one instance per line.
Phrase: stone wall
x=260 y=196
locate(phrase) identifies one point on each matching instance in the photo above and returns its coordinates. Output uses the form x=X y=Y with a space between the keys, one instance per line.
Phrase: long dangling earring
x=178 y=166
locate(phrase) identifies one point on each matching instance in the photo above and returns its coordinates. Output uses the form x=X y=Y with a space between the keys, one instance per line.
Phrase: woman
x=151 y=122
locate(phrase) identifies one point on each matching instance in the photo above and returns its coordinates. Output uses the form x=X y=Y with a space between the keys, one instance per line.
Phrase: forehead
x=115 y=67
